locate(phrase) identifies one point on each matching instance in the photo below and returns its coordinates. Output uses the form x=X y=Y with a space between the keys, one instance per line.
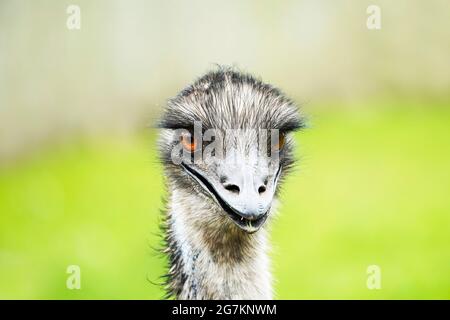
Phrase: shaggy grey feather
x=215 y=224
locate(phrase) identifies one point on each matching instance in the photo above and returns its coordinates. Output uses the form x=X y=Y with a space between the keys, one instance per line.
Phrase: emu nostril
x=233 y=188
x=261 y=189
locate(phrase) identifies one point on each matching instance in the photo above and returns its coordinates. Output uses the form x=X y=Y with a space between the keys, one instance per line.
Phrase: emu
x=215 y=222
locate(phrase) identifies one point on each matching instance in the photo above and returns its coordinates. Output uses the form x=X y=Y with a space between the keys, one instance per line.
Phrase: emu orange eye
x=281 y=141
x=189 y=143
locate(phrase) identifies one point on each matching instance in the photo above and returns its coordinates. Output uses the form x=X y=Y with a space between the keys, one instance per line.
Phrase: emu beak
x=246 y=197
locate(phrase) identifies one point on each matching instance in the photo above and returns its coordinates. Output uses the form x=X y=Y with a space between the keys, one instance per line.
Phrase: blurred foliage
x=372 y=188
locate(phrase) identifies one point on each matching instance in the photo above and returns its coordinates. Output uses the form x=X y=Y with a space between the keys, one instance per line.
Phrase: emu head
x=226 y=142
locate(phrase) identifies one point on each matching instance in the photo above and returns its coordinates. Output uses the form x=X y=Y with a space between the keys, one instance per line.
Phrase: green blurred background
x=79 y=179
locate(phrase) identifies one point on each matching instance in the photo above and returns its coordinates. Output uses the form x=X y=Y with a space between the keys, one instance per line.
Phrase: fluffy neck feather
x=210 y=258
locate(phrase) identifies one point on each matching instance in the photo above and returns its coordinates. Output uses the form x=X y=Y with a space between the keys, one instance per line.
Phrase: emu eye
x=189 y=142
x=280 y=144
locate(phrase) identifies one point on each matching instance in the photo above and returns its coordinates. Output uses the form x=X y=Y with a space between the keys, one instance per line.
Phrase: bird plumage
x=215 y=233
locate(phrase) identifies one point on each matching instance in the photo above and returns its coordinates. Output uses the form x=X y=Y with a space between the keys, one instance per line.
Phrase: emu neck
x=210 y=257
